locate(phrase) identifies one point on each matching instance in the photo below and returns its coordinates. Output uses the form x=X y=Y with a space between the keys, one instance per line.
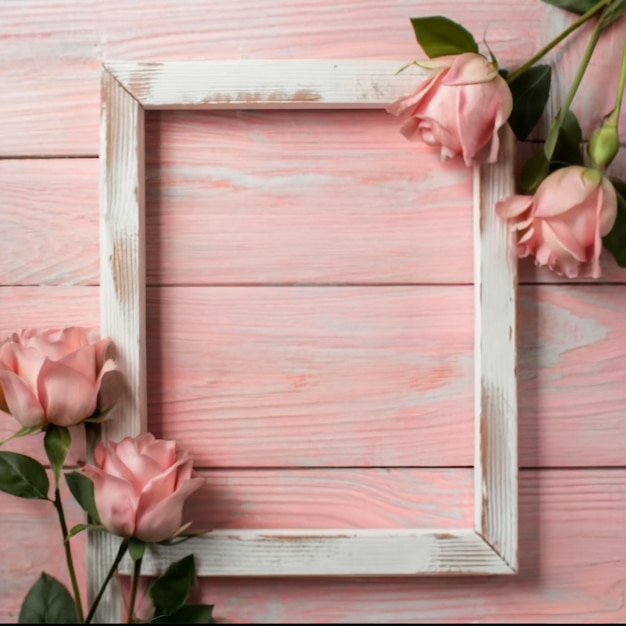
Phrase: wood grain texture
x=572 y=357
x=122 y=289
x=284 y=376
x=52 y=51
x=571 y=571
x=49 y=222
x=50 y=208
x=571 y=371
x=572 y=354
x=486 y=547
x=32 y=544
x=333 y=498
x=244 y=84
x=301 y=196
x=495 y=359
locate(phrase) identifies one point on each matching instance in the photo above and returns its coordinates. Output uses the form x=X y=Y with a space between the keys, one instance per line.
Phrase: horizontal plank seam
x=39 y=157
x=153 y=285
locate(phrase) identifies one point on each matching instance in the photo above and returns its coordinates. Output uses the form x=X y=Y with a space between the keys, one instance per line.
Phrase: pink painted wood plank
x=572 y=559
x=570 y=571
x=572 y=367
x=335 y=498
x=52 y=51
x=317 y=376
x=571 y=374
x=50 y=211
x=49 y=221
x=31 y=543
x=50 y=215
x=298 y=196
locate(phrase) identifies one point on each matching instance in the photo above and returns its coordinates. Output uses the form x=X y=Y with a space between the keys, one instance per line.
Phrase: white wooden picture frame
x=487 y=547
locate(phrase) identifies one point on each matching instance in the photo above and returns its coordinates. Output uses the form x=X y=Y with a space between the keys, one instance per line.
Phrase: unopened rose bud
x=603 y=146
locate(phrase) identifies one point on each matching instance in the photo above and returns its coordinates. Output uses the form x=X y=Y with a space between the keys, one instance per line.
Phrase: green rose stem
x=613 y=117
x=553 y=133
x=136 y=573
x=570 y=29
x=118 y=559
x=58 y=505
x=604 y=143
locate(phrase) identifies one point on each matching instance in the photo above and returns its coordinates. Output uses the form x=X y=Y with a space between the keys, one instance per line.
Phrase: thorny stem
x=58 y=505
x=570 y=29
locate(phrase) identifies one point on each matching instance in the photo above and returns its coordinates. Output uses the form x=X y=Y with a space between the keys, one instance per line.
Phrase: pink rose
x=562 y=225
x=460 y=108
x=140 y=486
x=52 y=376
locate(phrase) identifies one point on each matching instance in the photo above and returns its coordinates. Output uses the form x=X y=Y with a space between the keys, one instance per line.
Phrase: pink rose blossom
x=52 y=376
x=562 y=225
x=140 y=486
x=460 y=108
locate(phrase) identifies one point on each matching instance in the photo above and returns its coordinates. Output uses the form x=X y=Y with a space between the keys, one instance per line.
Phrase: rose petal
x=481 y=111
x=65 y=394
x=406 y=104
x=130 y=462
x=160 y=486
x=163 y=452
x=163 y=520
x=27 y=363
x=469 y=69
x=116 y=501
x=513 y=206
x=563 y=190
x=20 y=401
x=434 y=134
x=606 y=209
x=82 y=361
x=564 y=258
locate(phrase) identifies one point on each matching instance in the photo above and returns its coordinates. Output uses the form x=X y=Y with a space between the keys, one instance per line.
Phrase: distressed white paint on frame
x=490 y=547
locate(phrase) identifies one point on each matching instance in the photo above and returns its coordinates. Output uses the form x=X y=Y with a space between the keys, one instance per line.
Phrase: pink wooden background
x=244 y=257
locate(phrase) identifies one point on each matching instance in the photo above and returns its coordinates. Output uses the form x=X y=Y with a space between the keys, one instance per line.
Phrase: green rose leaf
x=82 y=490
x=190 y=614
x=615 y=241
x=614 y=12
x=533 y=172
x=530 y=91
x=615 y=9
x=439 y=36
x=22 y=476
x=568 y=144
x=57 y=442
x=170 y=592
x=78 y=529
x=48 y=602
x=574 y=6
